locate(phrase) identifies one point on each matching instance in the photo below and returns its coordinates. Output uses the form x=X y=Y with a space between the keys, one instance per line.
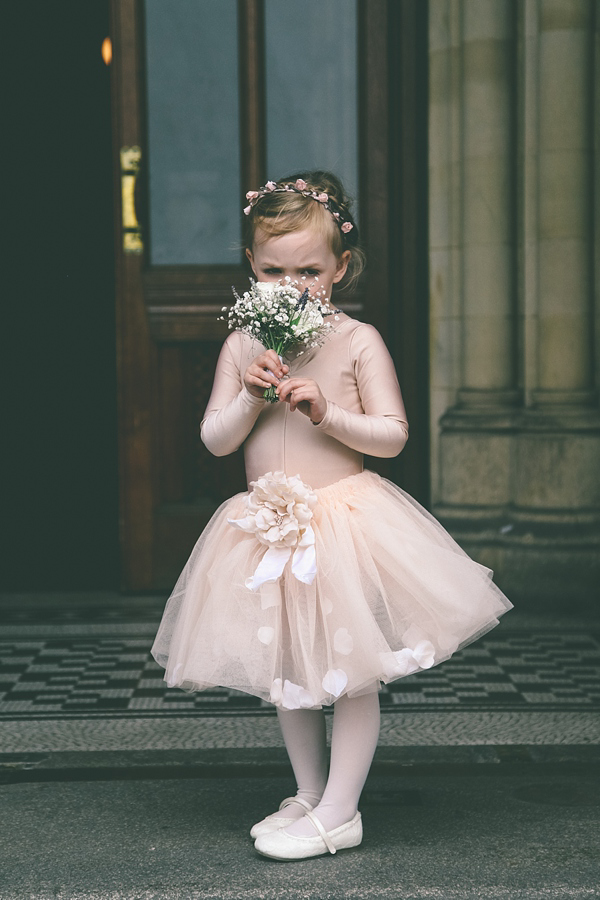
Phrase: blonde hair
x=275 y=213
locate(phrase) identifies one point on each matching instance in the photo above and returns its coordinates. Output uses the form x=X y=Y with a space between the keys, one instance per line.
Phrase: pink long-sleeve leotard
x=365 y=412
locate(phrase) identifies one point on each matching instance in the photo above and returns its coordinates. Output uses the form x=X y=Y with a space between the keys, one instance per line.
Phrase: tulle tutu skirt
x=393 y=594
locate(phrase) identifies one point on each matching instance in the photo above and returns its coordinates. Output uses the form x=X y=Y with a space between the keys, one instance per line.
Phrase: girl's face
x=304 y=256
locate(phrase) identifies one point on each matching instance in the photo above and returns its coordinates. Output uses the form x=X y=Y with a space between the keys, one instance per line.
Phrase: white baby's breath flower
x=281 y=317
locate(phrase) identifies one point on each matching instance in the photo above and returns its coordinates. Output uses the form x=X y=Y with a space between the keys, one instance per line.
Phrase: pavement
x=484 y=785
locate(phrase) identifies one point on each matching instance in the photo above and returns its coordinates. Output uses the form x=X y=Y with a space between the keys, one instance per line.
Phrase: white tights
x=353 y=743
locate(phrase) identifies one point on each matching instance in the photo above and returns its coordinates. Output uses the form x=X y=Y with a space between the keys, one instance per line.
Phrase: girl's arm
x=382 y=430
x=232 y=410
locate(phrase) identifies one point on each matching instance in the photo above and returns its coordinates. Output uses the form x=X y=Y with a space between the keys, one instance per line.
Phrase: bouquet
x=280 y=316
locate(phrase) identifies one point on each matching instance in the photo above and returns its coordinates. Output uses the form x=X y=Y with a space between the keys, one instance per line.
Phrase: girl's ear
x=251 y=260
x=342 y=265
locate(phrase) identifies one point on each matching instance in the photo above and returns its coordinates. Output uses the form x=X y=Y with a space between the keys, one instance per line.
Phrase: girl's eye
x=312 y=272
x=272 y=271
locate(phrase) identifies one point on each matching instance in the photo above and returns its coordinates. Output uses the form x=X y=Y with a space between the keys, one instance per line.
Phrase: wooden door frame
x=408 y=32
x=134 y=346
x=394 y=175
x=153 y=302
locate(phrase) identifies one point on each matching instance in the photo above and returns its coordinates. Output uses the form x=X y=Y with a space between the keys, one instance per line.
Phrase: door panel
x=312 y=93
x=203 y=137
x=193 y=139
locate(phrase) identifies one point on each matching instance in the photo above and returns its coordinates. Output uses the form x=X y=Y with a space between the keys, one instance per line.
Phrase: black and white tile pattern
x=63 y=672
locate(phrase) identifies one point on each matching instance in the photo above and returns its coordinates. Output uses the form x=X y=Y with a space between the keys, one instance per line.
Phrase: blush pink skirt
x=393 y=594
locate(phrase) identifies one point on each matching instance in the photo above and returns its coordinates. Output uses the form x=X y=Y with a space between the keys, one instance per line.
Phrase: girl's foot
x=290 y=810
x=280 y=845
x=330 y=817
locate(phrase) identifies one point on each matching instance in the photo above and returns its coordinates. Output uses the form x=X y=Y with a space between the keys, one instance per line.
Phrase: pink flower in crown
x=270 y=186
x=247 y=210
x=322 y=198
x=252 y=195
x=300 y=185
x=347 y=226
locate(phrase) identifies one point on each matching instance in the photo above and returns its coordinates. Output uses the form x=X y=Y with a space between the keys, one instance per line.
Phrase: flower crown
x=299 y=187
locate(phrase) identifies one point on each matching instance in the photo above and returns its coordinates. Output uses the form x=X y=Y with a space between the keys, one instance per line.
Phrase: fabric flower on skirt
x=279 y=513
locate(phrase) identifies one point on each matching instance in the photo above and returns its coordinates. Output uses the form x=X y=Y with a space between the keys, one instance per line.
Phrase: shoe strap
x=299 y=800
x=328 y=842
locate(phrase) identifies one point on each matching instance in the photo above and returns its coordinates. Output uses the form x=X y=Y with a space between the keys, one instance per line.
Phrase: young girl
x=392 y=593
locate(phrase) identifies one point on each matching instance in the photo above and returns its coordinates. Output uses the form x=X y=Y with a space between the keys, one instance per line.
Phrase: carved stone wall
x=515 y=303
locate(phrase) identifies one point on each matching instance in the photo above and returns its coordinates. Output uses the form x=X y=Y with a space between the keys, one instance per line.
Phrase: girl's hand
x=263 y=372
x=305 y=395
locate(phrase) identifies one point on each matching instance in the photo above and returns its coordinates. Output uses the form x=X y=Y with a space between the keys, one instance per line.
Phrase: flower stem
x=270 y=395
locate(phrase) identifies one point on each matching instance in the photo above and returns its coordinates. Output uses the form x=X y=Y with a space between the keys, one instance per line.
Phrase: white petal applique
x=306 y=700
x=424 y=654
x=173 y=679
x=326 y=606
x=276 y=691
x=405 y=662
x=295 y=697
x=343 y=642
x=335 y=681
x=266 y=634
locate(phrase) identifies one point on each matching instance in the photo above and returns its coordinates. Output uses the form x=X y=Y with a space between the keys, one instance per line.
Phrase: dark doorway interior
x=59 y=423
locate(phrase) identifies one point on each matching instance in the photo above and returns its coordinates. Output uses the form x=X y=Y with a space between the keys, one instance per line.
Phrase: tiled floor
x=116 y=786
x=62 y=671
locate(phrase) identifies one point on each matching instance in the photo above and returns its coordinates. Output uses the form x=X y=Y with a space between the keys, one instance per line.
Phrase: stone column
x=565 y=202
x=556 y=481
x=488 y=373
x=474 y=443
x=445 y=215
x=515 y=417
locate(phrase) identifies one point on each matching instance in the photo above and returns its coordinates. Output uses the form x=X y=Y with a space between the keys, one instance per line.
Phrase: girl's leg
x=305 y=740
x=353 y=743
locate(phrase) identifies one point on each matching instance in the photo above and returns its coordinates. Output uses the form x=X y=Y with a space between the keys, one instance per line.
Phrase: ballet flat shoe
x=282 y=846
x=274 y=822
